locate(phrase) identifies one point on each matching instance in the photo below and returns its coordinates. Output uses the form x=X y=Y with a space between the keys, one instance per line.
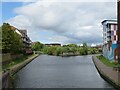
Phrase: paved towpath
x=107 y=71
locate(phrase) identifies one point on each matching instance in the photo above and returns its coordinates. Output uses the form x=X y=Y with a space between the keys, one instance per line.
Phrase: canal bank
x=6 y=75
x=108 y=73
x=19 y=66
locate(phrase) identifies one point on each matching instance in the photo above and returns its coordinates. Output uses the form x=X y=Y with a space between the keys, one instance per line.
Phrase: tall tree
x=85 y=49
x=37 y=46
x=11 y=41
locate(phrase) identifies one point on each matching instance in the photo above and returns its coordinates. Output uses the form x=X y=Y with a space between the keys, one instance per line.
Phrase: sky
x=55 y=21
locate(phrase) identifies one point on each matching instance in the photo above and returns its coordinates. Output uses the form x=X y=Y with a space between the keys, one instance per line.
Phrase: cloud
x=60 y=0
x=65 y=22
x=20 y=22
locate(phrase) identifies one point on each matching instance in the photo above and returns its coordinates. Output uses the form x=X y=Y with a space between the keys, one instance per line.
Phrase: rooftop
x=109 y=22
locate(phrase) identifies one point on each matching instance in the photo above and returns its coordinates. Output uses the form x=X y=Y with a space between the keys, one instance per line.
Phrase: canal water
x=60 y=72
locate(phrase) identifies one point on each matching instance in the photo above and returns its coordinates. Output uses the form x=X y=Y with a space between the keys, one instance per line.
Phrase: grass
x=16 y=61
x=108 y=62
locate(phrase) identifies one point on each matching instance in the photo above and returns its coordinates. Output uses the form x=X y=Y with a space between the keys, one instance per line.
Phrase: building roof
x=53 y=44
x=109 y=22
x=23 y=31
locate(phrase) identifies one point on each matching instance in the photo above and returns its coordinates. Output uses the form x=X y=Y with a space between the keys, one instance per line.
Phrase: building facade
x=110 y=39
x=53 y=44
x=26 y=40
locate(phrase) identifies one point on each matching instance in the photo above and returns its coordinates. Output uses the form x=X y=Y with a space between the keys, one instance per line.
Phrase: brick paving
x=109 y=72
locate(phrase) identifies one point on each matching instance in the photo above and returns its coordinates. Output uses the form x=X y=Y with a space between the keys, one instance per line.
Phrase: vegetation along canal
x=60 y=72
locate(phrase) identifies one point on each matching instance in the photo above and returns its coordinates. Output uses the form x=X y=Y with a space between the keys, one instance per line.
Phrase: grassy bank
x=16 y=61
x=108 y=62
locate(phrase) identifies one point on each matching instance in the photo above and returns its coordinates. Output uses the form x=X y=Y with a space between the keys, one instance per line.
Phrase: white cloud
x=60 y=0
x=20 y=22
x=93 y=45
x=69 y=22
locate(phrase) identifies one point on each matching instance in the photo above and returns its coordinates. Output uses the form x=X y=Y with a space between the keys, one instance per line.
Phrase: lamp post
x=118 y=17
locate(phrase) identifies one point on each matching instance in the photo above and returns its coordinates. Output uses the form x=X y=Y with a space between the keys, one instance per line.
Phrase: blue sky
x=60 y=22
x=8 y=9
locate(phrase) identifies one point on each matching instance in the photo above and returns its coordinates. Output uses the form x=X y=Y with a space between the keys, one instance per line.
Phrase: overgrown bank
x=70 y=49
x=17 y=61
x=108 y=62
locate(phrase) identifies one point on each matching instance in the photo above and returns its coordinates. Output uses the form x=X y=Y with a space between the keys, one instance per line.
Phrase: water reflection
x=60 y=72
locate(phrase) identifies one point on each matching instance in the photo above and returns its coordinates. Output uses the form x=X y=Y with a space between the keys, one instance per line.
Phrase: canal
x=60 y=72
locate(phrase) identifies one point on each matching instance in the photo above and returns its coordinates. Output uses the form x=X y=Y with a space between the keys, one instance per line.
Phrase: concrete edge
x=105 y=77
x=19 y=66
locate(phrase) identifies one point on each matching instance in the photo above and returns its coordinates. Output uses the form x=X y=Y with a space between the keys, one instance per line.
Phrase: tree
x=84 y=49
x=59 y=50
x=73 y=48
x=72 y=45
x=65 y=50
x=11 y=41
x=37 y=46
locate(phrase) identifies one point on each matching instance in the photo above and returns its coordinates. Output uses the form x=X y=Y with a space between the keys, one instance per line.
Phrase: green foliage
x=65 y=49
x=84 y=49
x=16 y=61
x=37 y=46
x=58 y=50
x=93 y=50
x=11 y=41
x=107 y=62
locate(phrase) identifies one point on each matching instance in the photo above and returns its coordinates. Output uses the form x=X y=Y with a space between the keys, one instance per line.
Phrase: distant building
x=26 y=40
x=53 y=44
x=110 y=38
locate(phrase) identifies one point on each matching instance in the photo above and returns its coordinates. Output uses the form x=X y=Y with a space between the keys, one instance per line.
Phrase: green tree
x=11 y=41
x=59 y=50
x=72 y=45
x=73 y=48
x=37 y=46
x=66 y=49
x=83 y=50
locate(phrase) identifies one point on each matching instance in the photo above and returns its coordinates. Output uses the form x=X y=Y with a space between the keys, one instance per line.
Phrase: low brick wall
x=6 y=58
x=16 y=56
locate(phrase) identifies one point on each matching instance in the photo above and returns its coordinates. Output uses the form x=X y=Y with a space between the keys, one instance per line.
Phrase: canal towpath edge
x=108 y=73
x=19 y=66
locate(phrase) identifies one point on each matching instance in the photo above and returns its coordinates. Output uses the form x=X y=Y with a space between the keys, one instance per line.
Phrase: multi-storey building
x=110 y=39
x=26 y=40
